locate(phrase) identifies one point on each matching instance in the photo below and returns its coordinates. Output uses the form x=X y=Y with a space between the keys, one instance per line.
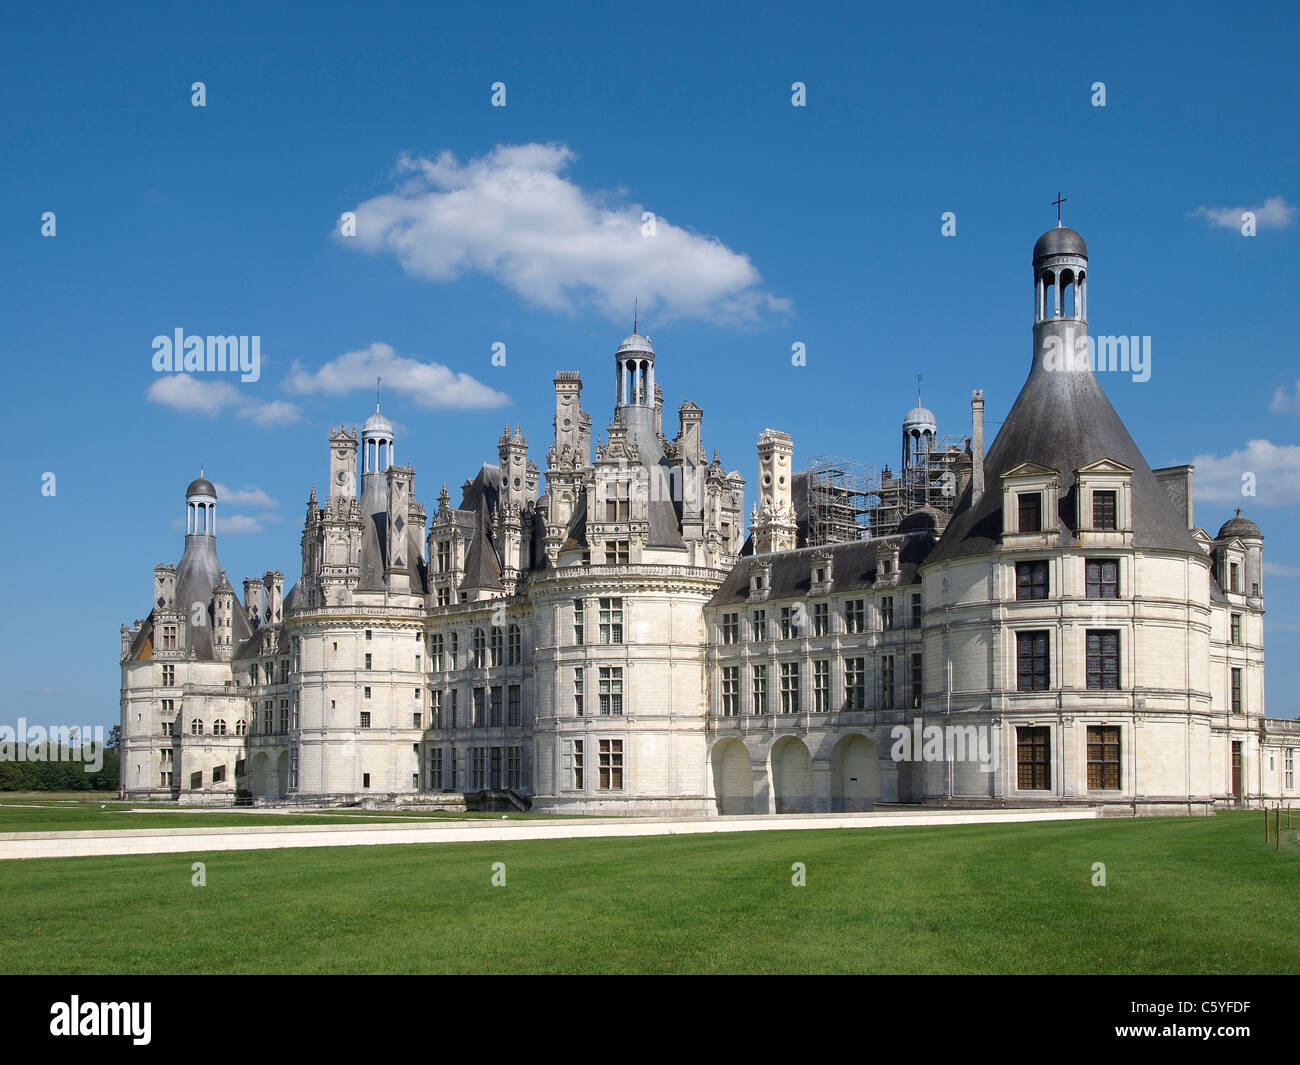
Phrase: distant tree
x=114 y=741
x=12 y=777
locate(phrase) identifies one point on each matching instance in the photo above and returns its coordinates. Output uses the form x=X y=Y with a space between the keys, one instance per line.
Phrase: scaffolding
x=838 y=502
x=931 y=479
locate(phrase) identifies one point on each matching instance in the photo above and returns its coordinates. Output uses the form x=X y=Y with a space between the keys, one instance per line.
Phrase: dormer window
x=821 y=570
x=1029 y=506
x=760 y=580
x=1103 y=510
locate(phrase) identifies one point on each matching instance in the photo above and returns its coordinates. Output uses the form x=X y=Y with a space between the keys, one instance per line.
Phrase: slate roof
x=1062 y=419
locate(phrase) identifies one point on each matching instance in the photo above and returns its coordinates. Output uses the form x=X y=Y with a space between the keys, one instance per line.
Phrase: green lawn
x=1197 y=895
x=45 y=815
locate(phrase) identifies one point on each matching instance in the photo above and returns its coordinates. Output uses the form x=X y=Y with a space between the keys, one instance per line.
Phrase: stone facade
x=1058 y=632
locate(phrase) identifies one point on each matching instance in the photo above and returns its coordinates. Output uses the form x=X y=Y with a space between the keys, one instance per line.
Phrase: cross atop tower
x=918 y=390
x=1057 y=204
x=378 y=381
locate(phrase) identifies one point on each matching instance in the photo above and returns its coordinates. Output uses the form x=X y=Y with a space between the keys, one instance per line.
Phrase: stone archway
x=282 y=775
x=792 y=783
x=260 y=780
x=733 y=777
x=855 y=775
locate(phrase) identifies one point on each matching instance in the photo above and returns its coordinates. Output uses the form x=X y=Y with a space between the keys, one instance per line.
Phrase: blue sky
x=520 y=225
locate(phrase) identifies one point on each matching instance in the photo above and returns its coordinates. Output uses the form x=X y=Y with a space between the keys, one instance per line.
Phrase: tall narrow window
x=611 y=764
x=760 y=689
x=731 y=628
x=760 y=624
x=1032 y=672
x=886 y=612
x=1236 y=692
x=514 y=647
x=1031 y=511
x=1234 y=628
x=611 y=621
x=855 y=684
x=494 y=645
x=730 y=691
x=480 y=649
x=789 y=687
x=917 y=680
x=1103 y=757
x=1103 y=660
x=821 y=686
x=513 y=710
x=1033 y=758
x=855 y=615
x=1103 y=511
x=577 y=764
x=887 y=682
x=821 y=619
x=577 y=621
x=611 y=689
x=577 y=692
x=494 y=705
x=1031 y=580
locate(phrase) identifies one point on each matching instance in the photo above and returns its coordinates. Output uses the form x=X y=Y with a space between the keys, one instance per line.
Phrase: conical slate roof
x=1062 y=419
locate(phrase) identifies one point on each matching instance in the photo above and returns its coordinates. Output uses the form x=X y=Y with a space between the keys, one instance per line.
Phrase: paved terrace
x=277 y=837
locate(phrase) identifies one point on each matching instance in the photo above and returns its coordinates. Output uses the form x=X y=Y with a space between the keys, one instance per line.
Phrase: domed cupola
x=1239 y=528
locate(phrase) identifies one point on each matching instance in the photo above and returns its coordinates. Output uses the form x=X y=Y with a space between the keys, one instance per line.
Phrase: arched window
x=480 y=649
x=497 y=640
x=514 y=646
x=196 y=727
x=241 y=728
x=218 y=727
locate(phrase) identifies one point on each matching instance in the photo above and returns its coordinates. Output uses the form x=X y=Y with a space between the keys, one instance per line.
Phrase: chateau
x=616 y=642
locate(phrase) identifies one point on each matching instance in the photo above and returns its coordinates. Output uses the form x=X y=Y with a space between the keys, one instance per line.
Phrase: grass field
x=41 y=814
x=1196 y=895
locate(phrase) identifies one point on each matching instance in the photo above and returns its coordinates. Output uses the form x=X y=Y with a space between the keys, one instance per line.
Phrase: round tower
x=634 y=393
x=1060 y=300
x=377 y=448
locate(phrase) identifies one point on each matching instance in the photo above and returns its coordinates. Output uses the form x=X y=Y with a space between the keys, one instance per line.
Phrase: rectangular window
x=1103 y=659
x=293 y=769
x=731 y=628
x=1236 y=691
x=444 y=556
x=611 y=689
x=494 y=777
x=1102 y=578
x=196 y=780
x=1032 y=672
x=417 y=721
x=453 y=767
x=821 y=686
x=611 y=621
x=369 y=633
x=436 y=661
x=730 y=691
x=219 y=774
x=787 y=623
x=855 y=684
x=453 y=718
x=1031 y=580
x=169 y=676
x=436 y=697
x=514 y=646
x=1033 y=759
x=365 y=718
x=611 y=765
x=1103 y=757
x=444 y=596
x=577 y=621
x=1103 y=511
x=616 y=501
x=494 y=647
x=514 y=774
x=821 y=619
x=616 y=553
x=365 y=780
x=918 y=677
x=886 y=612
x=887 y=682
x=916 y=611
x=1235 y=628
x=577 y=764
x=760 y=689
x=760 y=624
x=1288 y=765
x=366 y=691
x=577 y=692
x=494 y=705
x=1030 y=505
x=855 y=615
x=1234 y=577
x=478 y=768
x=435 y=769
x=513 y=705
x=789 y=687
x=480 y=707
x=480 y=649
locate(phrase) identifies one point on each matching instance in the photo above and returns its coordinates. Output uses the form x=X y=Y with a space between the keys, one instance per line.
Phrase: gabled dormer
x=1103 y=505
x=1030 y=495
x=760 y=580
x=887 y=564
x=821 y=574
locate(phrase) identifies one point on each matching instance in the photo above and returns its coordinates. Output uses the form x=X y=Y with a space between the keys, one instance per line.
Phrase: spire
x=635 y=305
x=378 y=381
x=1057 y=204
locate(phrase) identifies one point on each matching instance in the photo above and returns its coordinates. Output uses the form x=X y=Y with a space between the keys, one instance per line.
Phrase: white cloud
x=1276 y=470
x=248 y=496
x=235 y=524
x=197 y=395
x=1275 y=214
x=512 y=216
x=1281 y=569
x=428 y=384
x=1286 y=401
